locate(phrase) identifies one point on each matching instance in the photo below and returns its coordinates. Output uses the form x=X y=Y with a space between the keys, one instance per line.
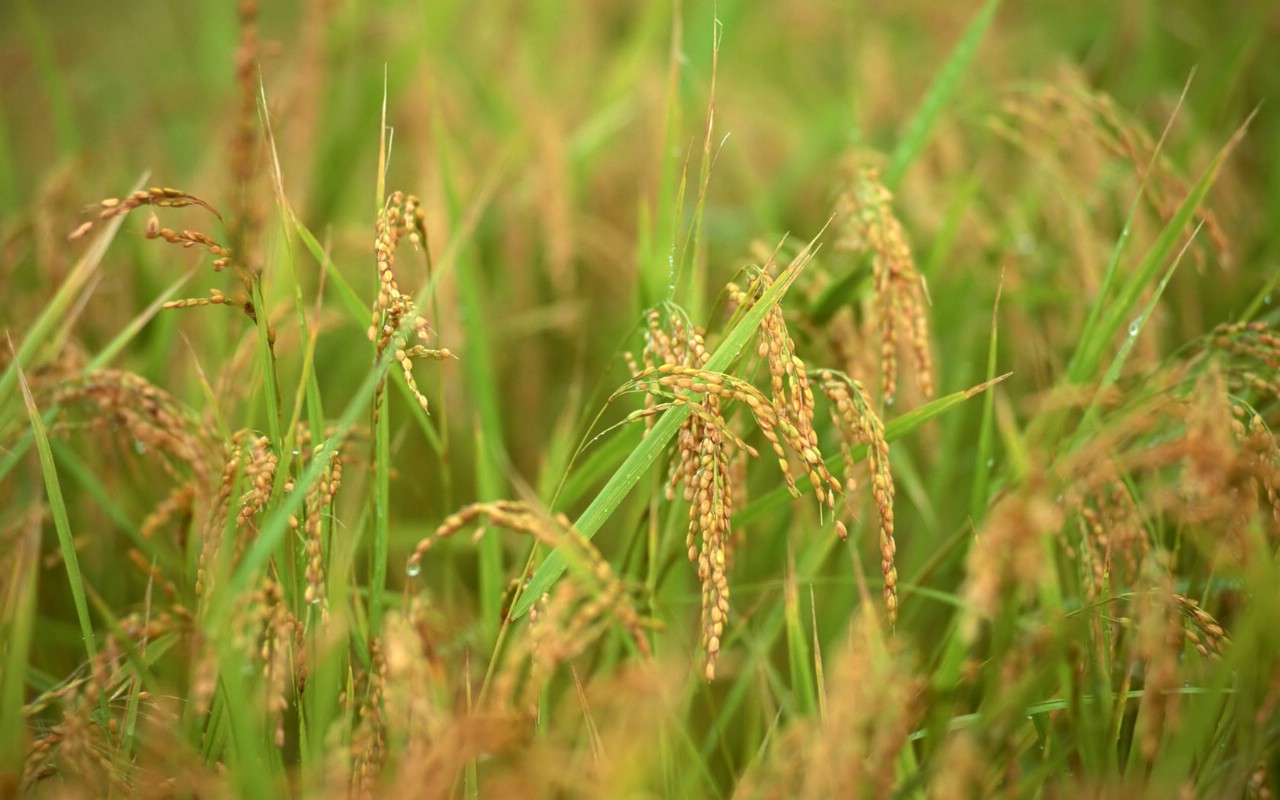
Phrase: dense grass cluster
x=648 y=400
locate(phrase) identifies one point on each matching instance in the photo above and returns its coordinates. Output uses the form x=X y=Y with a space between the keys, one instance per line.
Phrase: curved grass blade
x=58 y=508
x=940 y=92
x=1084 y=363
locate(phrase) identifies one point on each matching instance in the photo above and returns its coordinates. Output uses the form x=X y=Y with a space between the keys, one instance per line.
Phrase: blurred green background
x=541 y=136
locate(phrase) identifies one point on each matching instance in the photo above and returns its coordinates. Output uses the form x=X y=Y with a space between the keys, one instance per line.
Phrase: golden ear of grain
x=401 y=217
x=857 y=423
x=577 y=615
x=900 y=301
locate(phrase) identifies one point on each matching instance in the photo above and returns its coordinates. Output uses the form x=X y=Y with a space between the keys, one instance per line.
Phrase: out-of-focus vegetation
x=895 y=384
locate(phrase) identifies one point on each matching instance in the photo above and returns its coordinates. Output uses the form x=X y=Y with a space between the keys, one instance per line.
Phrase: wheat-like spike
x=858 y=423
x=161 y=197
x=552 y=531
x=899 y=290
x=401 y=217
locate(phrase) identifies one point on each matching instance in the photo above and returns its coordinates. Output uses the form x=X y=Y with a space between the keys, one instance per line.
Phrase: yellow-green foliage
x=466 y=497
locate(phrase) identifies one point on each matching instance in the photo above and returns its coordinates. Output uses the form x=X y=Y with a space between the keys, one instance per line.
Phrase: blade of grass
x=978 y=496
x=381 y=422
x=1114 y=315
x=58 y=508
x=478 y=367
x=940 y=92
x=803 y=680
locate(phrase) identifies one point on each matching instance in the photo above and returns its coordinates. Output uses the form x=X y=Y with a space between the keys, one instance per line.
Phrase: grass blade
x=58 y=509
x=944 y=86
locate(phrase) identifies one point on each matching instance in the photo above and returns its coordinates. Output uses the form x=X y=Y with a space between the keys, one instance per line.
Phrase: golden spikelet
x=871 y=227
x=671 y=371
x=223 y=255
x=401 y=217
x=555 y=531
x=160 y=197
x=158 y=425
x=1158 y=647
x=319 y=503
x=1007 y=560
x=857 y=423
x=790 y=393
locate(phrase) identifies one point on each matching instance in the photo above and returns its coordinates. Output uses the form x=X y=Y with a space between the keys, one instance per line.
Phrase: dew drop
x=139 y=447
x=1267 y=299
x=1135 y=326
x=315 y=601
x=413 y=569
x=297 y=452
x=991 y=462
x=888 y=401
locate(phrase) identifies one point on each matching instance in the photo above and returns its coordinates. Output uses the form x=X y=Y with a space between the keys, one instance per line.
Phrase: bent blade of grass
x=643 y=457
x=939 y=94
x=307 y=396
x=58 y=508
x=1135 y=327
x=1130 y=293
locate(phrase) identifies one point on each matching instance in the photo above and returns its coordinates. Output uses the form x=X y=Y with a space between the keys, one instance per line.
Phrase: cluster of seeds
x=154 y=421
x=401 y=217
x=1113 y=543
x=260 y=468
x=672 y=371
x=77 y=749
x=223 y=257
x=161 y=197
x=368 y=747
x=319 y=502
x=582 y=608
x=255 y=459
x=1256 y=348
x=1158 y=647
x=871 y=227
x=280 y=650
x=855 y=419
x=1202 y=631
